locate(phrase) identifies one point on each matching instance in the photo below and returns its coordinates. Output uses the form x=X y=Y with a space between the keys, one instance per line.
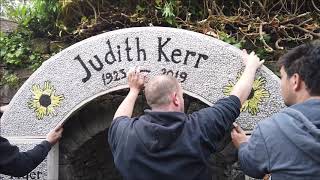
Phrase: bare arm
x=136 y=82
x=126 y=107
x=243 y=87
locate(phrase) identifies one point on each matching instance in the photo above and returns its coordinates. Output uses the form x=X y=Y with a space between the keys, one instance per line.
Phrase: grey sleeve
x=253 y=155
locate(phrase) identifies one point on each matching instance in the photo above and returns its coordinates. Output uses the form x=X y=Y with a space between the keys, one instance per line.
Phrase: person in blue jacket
x=287 y=144
x=165 y=143
x=18 y=164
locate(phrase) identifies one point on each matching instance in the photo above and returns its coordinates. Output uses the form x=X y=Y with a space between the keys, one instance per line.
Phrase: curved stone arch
x=121 y=87
x=97 y=65
x=83 y=103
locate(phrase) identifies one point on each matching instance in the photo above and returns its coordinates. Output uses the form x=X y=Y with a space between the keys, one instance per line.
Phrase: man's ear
x=296 y=81
x=175 y=99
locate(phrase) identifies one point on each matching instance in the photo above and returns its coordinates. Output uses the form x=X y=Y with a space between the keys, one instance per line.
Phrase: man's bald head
x=159 y=89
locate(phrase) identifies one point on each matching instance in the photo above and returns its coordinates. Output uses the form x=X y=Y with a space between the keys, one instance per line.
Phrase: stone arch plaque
x=206 y=67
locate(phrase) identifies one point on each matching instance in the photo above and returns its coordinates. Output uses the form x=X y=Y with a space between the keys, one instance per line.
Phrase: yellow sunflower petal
x=36 y=91
x=245 y=106
x=259 y=83
x=56 y=100
x=228 y=88
x=262 y=93
x=50 y=111
x=48 y=88
x=33 y=104
x=41 y=112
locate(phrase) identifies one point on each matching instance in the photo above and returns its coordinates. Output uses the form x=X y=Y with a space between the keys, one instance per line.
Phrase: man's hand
x=251 y=60
x=243 y=87
x=136 y=82
x=54 y=135
x=4 y=108
x=135 y=79
x=238 y=136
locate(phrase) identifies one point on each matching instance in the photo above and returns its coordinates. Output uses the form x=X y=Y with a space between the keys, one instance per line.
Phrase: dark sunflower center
x=45 y=100
x=251 y=94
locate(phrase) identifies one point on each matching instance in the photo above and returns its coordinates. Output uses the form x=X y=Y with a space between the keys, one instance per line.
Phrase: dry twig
x=267 y=47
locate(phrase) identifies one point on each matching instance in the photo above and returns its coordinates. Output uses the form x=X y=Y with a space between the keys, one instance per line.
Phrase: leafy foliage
x=35 y=19
x=231 y=40
x=268 y=27
x=10 y=79
x=15 y=50
x=45 y=17
x=40 y=17
x=168 y=9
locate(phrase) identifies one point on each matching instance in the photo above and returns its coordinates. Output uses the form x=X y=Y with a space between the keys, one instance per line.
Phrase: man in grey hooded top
x=287 y=144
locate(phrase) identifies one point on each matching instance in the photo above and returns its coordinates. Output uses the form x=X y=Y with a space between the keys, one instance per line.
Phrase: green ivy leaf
x=19 y=52
x=32 y=57
x=10 y=55
x=140 y=8
x=168 y=10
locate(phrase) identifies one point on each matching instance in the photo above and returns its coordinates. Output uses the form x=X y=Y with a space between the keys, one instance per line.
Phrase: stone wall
x=7 y=26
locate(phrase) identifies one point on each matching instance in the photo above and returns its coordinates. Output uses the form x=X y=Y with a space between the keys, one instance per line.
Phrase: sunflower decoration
x=257 y=95
x=44 y=101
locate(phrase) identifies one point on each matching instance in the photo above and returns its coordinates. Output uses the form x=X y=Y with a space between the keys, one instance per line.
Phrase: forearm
x=226 y=110
x=25 y=162
x=243 y=87
x=127 y=105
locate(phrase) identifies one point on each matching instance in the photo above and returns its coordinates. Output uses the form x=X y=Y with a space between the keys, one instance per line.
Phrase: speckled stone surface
x=98 y=65
x=40 y=172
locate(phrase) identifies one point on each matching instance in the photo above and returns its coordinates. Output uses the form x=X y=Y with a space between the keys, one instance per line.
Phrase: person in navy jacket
x=16 y=163
x=165 y=143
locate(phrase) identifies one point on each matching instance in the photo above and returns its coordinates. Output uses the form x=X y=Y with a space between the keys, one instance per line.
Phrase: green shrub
x=10 y=79
x=15 y=51
x=231 y=40
x=39 y=16
x=169 y=10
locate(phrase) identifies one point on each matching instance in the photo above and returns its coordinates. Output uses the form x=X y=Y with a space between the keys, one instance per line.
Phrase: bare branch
x=305 y=22
x=294 y=18
x=304 y=30
x=267 y=47
x=315 y=7
x=262 y=7
x=94 y=10
x=277 y=44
